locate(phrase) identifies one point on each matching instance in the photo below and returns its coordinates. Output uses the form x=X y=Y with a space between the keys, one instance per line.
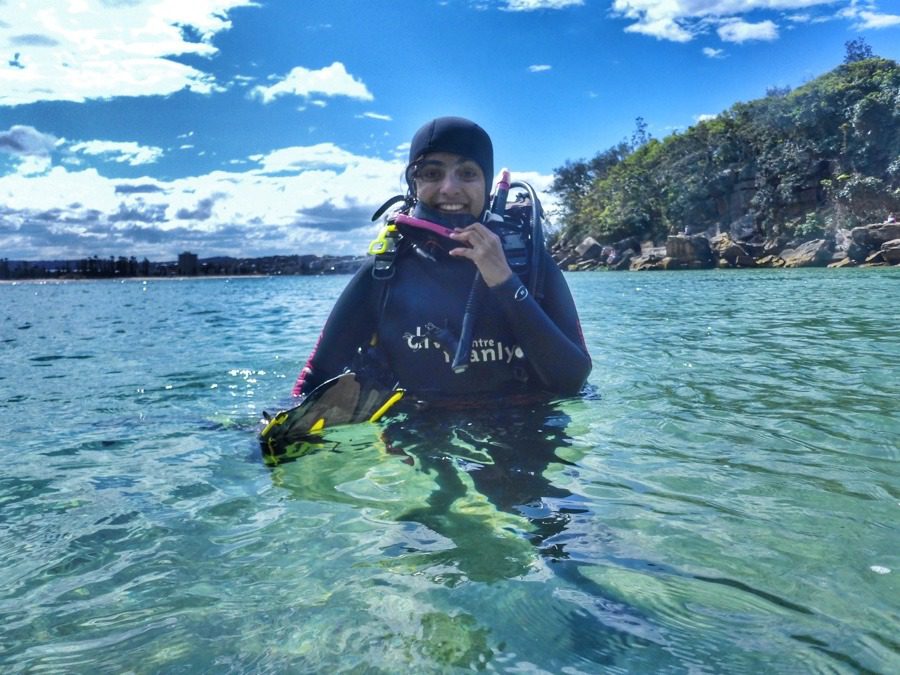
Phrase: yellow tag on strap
x=384 y=241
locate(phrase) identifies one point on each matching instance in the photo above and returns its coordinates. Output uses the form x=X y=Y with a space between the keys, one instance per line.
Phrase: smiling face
x=450 y=184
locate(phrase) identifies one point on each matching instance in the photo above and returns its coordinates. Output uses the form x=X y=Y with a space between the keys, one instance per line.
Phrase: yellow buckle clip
x=382 y=243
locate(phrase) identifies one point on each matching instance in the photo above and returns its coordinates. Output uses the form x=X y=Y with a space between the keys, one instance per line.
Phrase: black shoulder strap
x=384 y=292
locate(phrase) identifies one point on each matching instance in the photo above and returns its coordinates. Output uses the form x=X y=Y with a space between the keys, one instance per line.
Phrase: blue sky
x=258 y=127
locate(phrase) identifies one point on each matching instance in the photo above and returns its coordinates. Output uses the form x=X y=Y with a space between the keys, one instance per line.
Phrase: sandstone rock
x=566 y=262
x=679 y=246
x=875 y=259
x=621 y=261
x=647 y=248
x=770 y=261
x=815 y=253
x=731 y=252
x=891 y=252
x=589 y=249
x=654 y=261
x=693 y=265
x=773 y=246
x=754 y=249
x=873 y=236
x=856 y=252
x=646 y=263
x=629 y=243
x=689 y=248
x=843 y=262
x=867 y=239
x=842 y=239
x=670 y=263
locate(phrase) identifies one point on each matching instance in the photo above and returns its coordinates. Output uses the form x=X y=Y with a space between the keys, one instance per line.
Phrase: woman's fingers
x=485 y=249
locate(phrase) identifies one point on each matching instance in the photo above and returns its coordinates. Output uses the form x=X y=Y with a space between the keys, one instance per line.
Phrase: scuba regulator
x=519 y=226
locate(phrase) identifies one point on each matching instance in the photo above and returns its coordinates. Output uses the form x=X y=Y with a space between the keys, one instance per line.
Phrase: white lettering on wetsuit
x=484 y=350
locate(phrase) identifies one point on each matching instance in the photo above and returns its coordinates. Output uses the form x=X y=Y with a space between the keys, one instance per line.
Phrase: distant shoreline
x=54 y=280
x=228 y=277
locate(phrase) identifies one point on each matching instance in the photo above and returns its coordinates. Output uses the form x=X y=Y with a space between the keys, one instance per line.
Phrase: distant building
x=187 y=264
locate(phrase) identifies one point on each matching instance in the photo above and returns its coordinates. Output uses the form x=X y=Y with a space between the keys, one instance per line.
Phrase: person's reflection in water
x=497 y=507
x=510 y=457
x=498 y=455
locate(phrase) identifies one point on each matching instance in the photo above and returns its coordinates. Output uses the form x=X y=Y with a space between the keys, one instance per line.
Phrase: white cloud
x=539 y=68
x=871 y=20
x=33 y=165
x=532 y=5
x=682 y=20
x=55 y=189
x=313 y=199
x=740 y=31
x=333 y=80
x=377 y=116
x=90 y=49
x=713 y=53
x=127 y=152
x=24 y=141
x=704 y=117
x=304 y=199
x=662 y=29
x=305 y=157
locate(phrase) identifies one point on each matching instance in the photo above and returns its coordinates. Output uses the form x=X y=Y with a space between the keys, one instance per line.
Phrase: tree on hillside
x=825 y=155
x=575 y=179
x=857 y=50
x=640 y=136
x=776 y=91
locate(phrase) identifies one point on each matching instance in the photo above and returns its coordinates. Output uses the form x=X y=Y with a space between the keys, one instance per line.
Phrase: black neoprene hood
x=457 y=135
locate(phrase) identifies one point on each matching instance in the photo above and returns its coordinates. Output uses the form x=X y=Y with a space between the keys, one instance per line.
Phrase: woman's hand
x=485 y=249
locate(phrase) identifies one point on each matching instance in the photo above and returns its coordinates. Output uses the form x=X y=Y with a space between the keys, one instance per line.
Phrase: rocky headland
x=872 y=245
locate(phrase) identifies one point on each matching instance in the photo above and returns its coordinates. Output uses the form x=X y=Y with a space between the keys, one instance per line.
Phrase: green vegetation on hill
x=795 y=164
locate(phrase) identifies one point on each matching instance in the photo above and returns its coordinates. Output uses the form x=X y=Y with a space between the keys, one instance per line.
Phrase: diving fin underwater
x=341 y=400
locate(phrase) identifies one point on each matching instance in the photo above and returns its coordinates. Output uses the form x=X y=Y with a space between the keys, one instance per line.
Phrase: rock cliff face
x=869 y=245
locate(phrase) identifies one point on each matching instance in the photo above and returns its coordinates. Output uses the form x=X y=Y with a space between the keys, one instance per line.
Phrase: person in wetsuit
x=521 y=344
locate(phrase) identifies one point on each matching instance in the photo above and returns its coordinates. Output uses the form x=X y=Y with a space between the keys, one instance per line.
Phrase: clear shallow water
x=728 y=504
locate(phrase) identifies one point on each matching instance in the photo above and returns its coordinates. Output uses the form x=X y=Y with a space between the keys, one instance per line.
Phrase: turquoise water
x=728 y=502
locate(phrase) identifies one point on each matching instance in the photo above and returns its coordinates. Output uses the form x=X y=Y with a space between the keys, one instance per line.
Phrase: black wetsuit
x=519 y=345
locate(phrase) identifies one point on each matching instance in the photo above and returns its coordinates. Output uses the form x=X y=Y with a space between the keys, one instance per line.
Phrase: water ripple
x=727 y=504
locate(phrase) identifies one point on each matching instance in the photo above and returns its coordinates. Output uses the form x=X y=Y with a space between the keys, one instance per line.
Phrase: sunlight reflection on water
x=727 y=504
